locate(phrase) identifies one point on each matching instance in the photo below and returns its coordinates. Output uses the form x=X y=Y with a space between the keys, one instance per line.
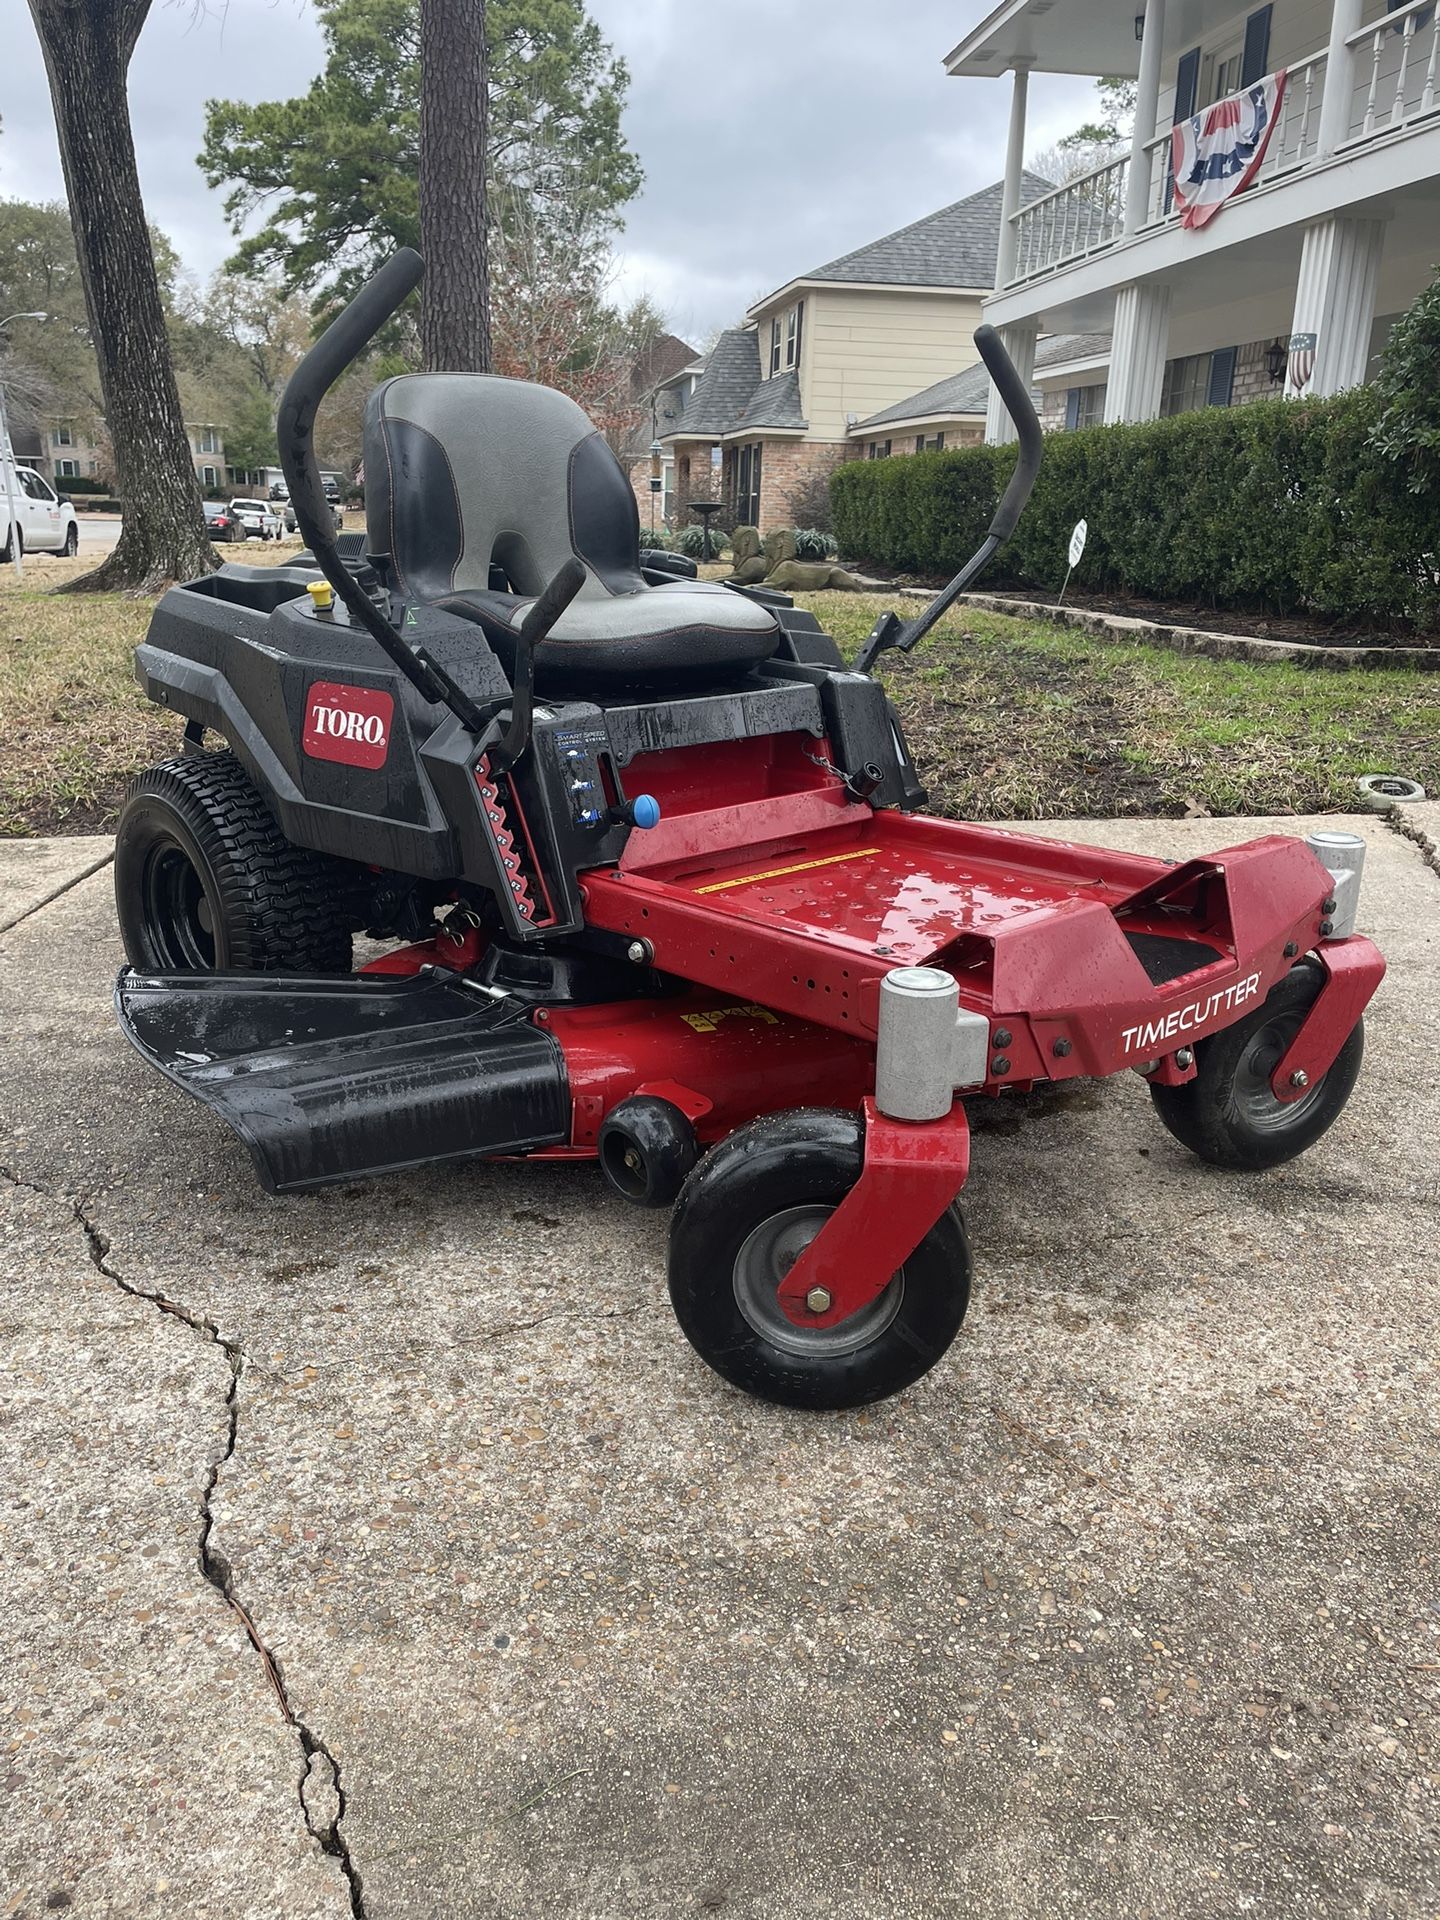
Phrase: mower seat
x=466 y=471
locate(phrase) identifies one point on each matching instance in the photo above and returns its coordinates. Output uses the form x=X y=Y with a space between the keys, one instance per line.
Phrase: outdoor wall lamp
x=1275 y=361
x=1139 y=26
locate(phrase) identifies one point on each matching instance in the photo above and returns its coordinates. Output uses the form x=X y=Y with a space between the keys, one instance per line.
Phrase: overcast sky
x=774 y=134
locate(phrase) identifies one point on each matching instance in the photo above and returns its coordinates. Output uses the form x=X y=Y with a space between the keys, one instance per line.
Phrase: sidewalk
x=1127 y=1608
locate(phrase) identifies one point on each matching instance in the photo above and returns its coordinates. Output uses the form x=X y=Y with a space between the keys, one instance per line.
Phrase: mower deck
x=1079 y=955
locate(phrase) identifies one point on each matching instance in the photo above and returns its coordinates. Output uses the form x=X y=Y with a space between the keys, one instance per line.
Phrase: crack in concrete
x=491 y=1336
x=66 y=886
x=509 y=1328
x=1398 y=822
x=215 y=1568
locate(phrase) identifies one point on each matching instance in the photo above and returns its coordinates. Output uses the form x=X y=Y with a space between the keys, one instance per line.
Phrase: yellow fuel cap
x=323 y=594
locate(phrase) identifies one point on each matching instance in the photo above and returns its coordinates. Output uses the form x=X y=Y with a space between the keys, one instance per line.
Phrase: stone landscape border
x=1220 y=646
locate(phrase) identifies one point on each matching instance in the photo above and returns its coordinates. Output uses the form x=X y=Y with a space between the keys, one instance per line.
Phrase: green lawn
x=1007 y=720
x=1010 y=719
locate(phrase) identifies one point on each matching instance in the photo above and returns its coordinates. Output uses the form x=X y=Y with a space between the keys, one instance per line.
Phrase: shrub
x=1407 y=431
x=813 y=544
x=810 y=502
x=74 y=483
x=1279 y=506
x=691 y=540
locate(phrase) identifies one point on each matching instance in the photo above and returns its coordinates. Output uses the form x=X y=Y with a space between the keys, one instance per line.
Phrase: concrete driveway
x=386 y=1552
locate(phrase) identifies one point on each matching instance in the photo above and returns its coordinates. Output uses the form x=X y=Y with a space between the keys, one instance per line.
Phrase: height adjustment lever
x=533 y=629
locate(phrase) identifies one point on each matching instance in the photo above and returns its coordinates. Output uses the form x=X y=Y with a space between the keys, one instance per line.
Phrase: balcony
x=1394 y=66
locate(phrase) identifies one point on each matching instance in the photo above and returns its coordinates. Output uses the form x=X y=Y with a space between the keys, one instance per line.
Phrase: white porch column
x=1014 y=168
x=1147 y=106
x=1335 y=301
x=1338 y=94
x=1019 y=342
x=1139 y=348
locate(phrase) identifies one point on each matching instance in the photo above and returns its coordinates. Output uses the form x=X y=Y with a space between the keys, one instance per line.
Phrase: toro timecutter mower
x=663 y=891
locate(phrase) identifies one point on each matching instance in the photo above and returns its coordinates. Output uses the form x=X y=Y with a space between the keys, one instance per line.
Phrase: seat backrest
x=465 y=468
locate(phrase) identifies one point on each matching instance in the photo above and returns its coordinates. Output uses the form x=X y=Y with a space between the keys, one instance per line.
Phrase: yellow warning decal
x=779 y=873
x=710 y=1022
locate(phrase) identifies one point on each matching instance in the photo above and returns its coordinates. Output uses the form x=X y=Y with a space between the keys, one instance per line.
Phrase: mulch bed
x=1306 y=628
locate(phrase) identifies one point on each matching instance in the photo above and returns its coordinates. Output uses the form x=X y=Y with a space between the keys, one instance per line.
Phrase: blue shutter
x=1187 y=83
x=1222 y=377
x=1072 y=409
x=1187 y=92
x=1256 y=62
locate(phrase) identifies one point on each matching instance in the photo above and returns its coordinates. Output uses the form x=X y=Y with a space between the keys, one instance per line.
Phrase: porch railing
x=1395 y=61
x=1072 y=220
x=1394 y=83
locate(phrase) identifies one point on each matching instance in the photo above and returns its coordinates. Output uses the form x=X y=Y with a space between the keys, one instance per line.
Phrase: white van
x=46 y=521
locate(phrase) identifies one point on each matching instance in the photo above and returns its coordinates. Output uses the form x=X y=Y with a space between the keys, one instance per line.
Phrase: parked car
x=291 y=523
x=257 y=517
x=279 y=490
x=222 y=523
x=46 y=520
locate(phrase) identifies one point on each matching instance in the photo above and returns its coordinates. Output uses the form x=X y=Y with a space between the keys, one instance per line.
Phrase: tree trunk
x=454 y=138
x=87 y=46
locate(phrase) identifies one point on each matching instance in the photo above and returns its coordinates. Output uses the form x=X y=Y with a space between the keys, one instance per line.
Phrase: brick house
x=665 y=376
x=775 y=410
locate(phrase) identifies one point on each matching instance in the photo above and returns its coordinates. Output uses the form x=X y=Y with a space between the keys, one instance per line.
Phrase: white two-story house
x=1333 y=238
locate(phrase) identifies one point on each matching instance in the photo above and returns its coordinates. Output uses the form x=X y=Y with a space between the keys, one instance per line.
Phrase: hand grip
x=533 y=629
x=342 y=342
x=552 y=603
x=1016 y=397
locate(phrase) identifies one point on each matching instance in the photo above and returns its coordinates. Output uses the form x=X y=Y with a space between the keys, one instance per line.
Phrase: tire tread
x=288 y=910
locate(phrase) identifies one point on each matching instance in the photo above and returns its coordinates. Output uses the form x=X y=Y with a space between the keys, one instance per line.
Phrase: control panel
x=578 y=748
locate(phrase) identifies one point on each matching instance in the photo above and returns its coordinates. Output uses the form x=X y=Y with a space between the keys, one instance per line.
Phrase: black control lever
x=889 y=630
x=533 y=629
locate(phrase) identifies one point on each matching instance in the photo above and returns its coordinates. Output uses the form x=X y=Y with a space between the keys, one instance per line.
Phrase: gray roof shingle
x=968 y=392
x=775 y=403
x=725 y=389
x=955 y=247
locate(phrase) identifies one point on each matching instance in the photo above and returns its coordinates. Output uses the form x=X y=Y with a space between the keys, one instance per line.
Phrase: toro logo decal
x=349 y=724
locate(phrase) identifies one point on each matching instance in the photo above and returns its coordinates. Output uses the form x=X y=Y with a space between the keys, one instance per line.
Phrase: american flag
x=1217 y=152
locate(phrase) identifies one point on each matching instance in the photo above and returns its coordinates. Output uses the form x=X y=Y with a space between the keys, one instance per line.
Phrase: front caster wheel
x=1228 y=1114
x=745 y=1215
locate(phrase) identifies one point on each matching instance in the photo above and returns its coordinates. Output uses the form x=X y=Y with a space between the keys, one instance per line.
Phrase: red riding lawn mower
x=659 y=891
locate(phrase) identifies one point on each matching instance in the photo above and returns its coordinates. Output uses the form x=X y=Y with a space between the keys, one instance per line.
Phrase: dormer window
x=774 y=346
x=794 y=321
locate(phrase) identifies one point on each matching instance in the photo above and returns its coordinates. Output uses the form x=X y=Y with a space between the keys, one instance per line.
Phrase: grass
x=1014 y=720
x=74 y=726
x=1007 y=720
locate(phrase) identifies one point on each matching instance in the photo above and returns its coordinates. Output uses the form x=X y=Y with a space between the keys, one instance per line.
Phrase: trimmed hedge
x=1277 y=506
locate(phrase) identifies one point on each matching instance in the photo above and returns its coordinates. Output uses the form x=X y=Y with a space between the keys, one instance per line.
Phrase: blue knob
x=645 y=810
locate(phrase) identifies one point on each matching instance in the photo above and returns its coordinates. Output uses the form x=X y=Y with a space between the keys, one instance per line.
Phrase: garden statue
x=773 y=563
x=750 y=562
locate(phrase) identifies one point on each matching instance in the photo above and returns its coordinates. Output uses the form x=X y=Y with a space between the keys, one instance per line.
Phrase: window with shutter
x=1256 y=62
x=1222 y=377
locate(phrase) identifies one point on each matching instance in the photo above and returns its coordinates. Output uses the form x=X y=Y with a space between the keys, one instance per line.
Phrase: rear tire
x=205 y=880
x=743 y=1216
x=1227 y=1113
x=72 y=542
x=15 y=536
